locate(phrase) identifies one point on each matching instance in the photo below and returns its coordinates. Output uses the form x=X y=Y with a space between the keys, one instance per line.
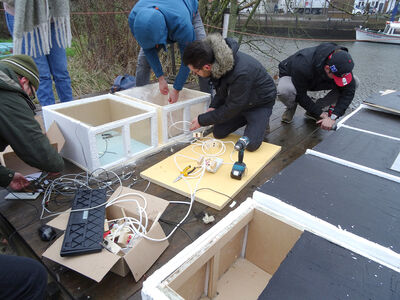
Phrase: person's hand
x=163 y=85
x=210 y=109
x=173 y=96
x=18 y=182
x=326 y=123
x=195 y=124
x=324 y=115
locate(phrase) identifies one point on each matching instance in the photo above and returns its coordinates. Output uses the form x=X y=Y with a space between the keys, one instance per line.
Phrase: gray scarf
x=33 y=21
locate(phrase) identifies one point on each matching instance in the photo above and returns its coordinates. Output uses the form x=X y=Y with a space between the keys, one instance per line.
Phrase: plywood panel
x=230 y=252
x=193 y=289
x=164 y=173
x=243 y=280
x=269 y=241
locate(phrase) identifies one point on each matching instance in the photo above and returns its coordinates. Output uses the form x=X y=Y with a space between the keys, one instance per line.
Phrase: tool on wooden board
x=185 y=172
x=239 y=167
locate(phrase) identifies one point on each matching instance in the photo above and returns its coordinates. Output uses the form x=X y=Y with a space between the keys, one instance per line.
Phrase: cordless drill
x=239 y=167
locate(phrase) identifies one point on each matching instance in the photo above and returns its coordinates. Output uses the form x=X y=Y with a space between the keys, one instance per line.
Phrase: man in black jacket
x=324 y=67
x=19 y=78
x=245 y=92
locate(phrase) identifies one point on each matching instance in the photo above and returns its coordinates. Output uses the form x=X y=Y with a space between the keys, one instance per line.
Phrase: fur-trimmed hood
x=224 y=51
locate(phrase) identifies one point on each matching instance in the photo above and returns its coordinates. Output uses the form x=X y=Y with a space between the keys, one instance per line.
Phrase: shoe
x=287 y=116
x=309 y=116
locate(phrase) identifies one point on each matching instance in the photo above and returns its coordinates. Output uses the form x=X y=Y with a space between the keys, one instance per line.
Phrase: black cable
x=179 y=227
x=229 y=197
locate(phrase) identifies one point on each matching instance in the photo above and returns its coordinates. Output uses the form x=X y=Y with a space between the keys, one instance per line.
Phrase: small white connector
x=208 y=219
x=198 y=135
x=213 y=164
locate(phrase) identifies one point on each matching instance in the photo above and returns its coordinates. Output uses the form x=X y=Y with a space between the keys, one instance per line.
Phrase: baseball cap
x=341 y=65
x=150 y=28
x=24 y=66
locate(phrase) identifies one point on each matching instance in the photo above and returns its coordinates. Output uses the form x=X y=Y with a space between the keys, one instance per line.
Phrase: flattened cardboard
x=139 y=259
x=146 y=252
x=94 y=266
x=9 y=159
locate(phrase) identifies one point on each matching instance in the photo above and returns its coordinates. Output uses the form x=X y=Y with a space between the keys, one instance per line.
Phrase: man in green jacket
x=19 y=79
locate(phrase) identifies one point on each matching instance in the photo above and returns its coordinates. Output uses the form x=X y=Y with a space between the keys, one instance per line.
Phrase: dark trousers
x=22 y=278
x=256 y=121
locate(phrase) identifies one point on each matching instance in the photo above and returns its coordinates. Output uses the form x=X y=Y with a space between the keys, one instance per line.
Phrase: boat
x=390 y=35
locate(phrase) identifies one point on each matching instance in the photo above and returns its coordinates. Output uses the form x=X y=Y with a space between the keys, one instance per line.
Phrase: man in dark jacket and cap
x=245 y=92
x=19 y=79
x=324 y=67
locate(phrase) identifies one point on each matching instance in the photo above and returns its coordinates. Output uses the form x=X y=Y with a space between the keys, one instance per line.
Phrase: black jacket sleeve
x=20 y=129
x=237 y=100
x=299 y=79
x=6 y=175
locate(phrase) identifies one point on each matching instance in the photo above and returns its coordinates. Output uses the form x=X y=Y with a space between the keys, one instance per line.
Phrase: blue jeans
x=50 y=66
x=143 y=68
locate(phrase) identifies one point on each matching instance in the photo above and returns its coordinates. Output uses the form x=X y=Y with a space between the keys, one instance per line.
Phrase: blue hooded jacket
x=155 y=23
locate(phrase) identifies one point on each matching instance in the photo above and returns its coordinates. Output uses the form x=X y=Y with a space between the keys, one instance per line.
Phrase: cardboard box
x=104 y=131
x=9 y=159
x=190 y=104
x=138 y=260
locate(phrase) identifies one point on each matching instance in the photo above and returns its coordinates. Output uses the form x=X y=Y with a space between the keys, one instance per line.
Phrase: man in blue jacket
x=245 y=92
x=156 y=23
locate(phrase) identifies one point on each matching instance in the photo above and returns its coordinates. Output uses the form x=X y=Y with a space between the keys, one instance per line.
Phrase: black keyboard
x=84 y=233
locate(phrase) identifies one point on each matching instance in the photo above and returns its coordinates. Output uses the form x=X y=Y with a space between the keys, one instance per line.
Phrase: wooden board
x=164 y=173
x=243 y=280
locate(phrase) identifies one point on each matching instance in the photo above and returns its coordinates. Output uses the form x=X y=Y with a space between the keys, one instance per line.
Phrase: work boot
x=287 y=116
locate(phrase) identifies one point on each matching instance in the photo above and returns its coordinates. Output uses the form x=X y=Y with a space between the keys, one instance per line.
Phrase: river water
x=376 y=65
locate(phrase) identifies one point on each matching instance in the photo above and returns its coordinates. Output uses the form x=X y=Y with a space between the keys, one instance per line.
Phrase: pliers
x=185 y=172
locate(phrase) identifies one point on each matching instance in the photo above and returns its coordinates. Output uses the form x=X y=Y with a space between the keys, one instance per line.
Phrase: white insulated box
x=173 y=119
x=104 y=131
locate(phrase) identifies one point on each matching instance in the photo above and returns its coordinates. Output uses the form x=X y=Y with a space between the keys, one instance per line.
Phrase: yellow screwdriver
x=185 y=172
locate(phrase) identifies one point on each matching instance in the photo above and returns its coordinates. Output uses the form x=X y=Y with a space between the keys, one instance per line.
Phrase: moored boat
x=390 y=35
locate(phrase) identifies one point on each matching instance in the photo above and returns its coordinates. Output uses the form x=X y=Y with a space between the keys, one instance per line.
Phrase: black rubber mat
x=318 y=269
x=84 y=233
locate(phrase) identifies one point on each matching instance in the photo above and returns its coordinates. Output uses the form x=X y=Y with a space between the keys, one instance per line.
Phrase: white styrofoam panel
x=81 y=145
x=190 y=102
